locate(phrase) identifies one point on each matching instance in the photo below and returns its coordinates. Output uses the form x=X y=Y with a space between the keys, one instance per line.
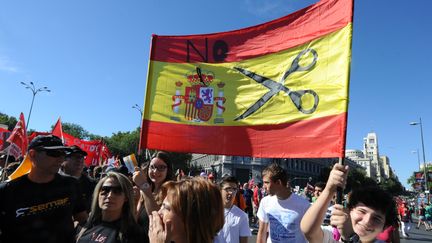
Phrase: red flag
x=18 y=139
x=58 y=130
x=93 y=148
x=106 y=154
x=4 y=134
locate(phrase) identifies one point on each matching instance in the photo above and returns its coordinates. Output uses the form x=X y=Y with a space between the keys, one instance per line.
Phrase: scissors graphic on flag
x=275 y=87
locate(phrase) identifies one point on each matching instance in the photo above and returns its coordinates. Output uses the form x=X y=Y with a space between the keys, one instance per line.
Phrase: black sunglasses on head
x=114 y=189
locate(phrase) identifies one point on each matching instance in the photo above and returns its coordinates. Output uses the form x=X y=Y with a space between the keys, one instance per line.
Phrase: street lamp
x=34 y=91
x=424 y=156
x=136 y=106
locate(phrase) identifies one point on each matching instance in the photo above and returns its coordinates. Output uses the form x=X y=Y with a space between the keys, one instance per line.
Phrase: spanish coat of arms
x=199 y=98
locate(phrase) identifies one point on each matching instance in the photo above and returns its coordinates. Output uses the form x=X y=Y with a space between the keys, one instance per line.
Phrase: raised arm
x=314 y=216
x=140 y=179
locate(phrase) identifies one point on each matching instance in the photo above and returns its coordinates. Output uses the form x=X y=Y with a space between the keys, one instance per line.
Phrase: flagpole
x=339 y=192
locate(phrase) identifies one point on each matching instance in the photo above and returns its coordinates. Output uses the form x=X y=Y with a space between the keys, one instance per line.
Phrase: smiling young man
x=41 y=206
x=281 y=211
x=236 y=227
x=369 y=211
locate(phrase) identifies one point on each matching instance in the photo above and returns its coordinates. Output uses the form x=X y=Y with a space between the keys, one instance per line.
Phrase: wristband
x=144 y=186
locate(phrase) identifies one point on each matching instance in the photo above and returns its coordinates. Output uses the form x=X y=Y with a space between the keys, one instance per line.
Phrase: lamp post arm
x=31 y=107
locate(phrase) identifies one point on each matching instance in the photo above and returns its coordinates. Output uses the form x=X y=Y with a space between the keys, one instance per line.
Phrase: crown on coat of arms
x=207 y=77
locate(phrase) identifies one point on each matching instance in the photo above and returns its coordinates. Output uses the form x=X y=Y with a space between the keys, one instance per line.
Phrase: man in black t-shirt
x=41 y=206
x=73 y=166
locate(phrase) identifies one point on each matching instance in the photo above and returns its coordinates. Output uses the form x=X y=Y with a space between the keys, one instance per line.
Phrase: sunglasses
x=160 y=168
x=114 y=189
x=230 y=190
x=54 y=153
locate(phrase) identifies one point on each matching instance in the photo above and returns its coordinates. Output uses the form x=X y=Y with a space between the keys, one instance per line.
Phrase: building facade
x=300 y=171
x=377 y=167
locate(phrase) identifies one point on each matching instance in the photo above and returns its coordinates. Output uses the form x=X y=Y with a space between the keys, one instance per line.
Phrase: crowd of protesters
x=60 y=200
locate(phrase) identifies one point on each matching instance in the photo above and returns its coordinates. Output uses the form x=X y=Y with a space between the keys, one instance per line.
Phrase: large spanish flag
x=279 y=89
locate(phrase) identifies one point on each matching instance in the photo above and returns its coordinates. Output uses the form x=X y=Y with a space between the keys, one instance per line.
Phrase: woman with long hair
x=151 y=178
x=191 y=212
x=113 y=213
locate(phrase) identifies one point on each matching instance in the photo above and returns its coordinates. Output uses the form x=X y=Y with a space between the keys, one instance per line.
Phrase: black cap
x=47 y=142
x=75 y=149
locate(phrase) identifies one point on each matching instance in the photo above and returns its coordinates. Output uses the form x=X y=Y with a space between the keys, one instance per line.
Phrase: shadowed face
x=229 y=191
x=111 y=196
x=74 y=164
x=48 y=161
x=269 y=185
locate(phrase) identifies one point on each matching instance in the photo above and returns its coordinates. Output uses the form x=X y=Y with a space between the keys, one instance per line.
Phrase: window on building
x=371 y=140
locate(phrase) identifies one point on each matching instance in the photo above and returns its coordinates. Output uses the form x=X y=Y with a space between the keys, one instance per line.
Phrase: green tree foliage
x=75 y=130
x=181 y=161
x=123 y=143
x=10 y=121
x=393 y=186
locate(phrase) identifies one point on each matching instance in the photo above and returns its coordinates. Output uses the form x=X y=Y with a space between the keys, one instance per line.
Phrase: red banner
x=93 y=148
x=18 y=139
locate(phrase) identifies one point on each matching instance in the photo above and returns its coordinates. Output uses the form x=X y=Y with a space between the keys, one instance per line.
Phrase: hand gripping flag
x=279 y=89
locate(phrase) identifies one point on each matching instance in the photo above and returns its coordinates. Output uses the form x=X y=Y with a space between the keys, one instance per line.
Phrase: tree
x=393 y=186
x=75 y=130
x=10 y=121
x=181 y=161
x=123 y=143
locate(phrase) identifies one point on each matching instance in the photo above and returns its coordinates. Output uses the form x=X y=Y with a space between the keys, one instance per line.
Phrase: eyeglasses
x=114 y=189
x=230 y=189
x=54 y=153
x=160 y=168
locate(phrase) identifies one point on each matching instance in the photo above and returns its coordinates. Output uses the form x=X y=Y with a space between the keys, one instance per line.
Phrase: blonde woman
x=112 y=216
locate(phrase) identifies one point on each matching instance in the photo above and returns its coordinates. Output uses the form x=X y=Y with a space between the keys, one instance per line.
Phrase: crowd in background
x=61 y=200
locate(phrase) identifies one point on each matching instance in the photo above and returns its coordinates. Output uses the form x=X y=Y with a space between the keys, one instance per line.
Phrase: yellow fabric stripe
x=328 y=78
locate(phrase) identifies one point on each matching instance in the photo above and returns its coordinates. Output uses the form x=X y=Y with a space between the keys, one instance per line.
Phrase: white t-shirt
x=236 y=226
x=283 y=217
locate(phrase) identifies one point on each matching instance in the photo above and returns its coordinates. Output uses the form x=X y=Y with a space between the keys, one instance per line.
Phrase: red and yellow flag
x=279 y=89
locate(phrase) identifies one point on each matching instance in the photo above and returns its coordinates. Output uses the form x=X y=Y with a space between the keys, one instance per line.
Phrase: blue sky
x=93 y=55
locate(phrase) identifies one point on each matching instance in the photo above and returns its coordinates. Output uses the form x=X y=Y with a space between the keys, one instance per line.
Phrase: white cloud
x=7 y=65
